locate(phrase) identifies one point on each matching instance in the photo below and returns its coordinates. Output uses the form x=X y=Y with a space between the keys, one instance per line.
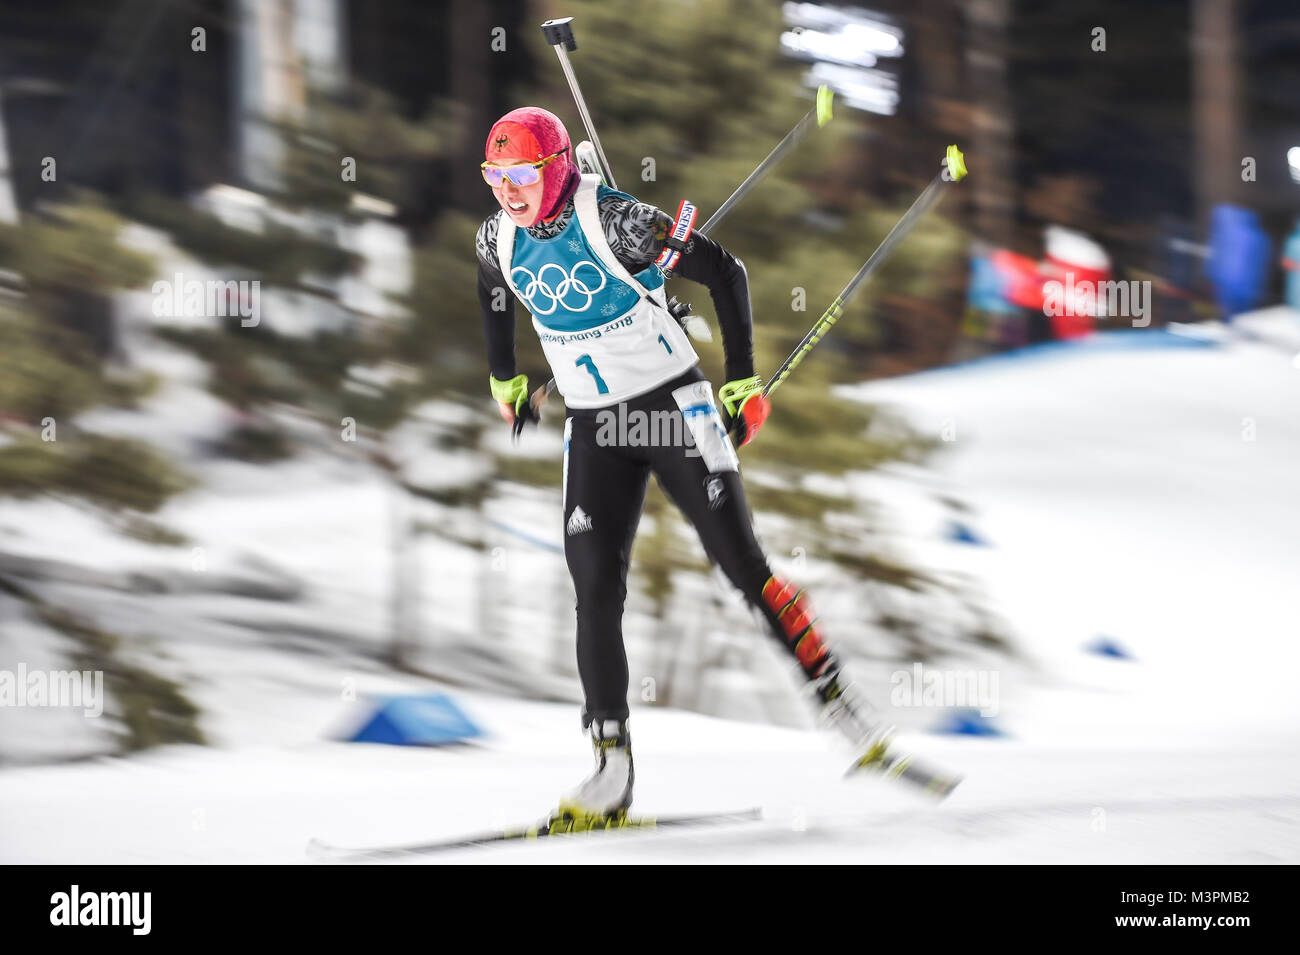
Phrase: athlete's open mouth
x=518 y=206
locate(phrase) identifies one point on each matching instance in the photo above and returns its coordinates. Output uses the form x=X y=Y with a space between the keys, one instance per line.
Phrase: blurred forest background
x=131 y=154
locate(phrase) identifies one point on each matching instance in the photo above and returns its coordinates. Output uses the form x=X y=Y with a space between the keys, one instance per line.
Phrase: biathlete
x=582 y=259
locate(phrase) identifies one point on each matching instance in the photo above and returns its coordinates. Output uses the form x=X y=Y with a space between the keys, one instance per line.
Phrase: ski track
x=1119 y=498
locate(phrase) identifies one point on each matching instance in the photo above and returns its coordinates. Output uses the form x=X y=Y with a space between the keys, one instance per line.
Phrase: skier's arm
x=708 y=263
x=636 y=232
x=498 y=325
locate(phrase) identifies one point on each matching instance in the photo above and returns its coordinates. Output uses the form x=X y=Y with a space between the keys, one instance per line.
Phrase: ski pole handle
x=538 y=397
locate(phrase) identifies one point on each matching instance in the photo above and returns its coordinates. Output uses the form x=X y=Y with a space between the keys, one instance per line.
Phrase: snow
x=1142 y=494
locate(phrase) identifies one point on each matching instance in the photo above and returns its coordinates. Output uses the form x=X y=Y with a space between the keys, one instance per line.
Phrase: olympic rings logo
x=556 y=294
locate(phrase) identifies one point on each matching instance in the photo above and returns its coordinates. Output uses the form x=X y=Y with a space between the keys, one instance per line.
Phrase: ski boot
x=602 y=801
x=872 y=738
x=841 y=706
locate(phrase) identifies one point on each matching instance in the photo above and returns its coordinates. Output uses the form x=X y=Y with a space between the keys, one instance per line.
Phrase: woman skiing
x=581 y=257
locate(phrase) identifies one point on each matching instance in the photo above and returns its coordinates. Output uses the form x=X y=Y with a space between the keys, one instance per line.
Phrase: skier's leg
x=604 y=490
x=711 y=497
x=703 y=480
x=715 y=505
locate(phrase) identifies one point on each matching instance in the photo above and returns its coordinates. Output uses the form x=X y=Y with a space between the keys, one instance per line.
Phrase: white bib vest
x=607 y=334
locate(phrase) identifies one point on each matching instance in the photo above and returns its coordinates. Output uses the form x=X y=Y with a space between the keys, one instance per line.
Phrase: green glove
x=747 y=408
x=513 y=392
x=735 y=393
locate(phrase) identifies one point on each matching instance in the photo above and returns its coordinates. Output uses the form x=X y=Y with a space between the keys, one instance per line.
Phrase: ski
x=555 y=826
x=880 y=758
x=871 y=736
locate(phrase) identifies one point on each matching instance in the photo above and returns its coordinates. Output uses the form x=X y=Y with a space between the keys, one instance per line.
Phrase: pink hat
x=530 y=134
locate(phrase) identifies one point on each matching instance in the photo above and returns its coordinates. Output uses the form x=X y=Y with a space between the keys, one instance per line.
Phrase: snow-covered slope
x=1142 y=494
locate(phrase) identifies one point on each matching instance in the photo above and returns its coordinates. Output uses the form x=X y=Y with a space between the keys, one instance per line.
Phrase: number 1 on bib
x=586 y=362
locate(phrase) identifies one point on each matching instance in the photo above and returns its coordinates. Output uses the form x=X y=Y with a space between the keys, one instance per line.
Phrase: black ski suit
x=607 y=465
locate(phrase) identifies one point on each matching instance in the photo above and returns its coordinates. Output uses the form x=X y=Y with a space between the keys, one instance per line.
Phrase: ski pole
x=559 y=34
x=954 y=170
x=820 y=114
